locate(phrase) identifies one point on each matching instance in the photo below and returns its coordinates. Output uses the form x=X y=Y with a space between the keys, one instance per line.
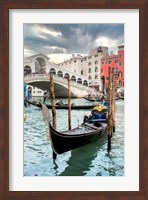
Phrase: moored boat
x=63 y=106
x=93 y=99
x=86 y=133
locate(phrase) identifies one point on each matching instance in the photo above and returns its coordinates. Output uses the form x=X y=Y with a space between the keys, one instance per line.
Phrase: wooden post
x=103 y=84
x=52 y=96
x=113 y=100
x=109 y=109
x=69 y=104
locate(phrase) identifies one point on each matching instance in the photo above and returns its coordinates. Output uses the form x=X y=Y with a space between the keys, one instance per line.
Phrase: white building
x=88 y=66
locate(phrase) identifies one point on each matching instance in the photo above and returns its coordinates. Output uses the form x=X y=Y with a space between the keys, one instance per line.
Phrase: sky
x=59 y=41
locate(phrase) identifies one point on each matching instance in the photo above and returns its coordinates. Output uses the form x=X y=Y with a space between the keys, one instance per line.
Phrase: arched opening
x=85 y=82
x=60 y=73
x=73 y=78
x=79 y=80
x=96 y=69
x=53 y=71
x=40 y=65
x=66 y=75
x=27 y=70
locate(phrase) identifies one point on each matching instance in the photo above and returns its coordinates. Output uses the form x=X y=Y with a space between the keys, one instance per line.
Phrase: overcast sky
x=59 y=41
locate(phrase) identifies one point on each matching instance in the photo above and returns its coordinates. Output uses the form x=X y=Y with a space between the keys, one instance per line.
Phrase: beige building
x=88 y=66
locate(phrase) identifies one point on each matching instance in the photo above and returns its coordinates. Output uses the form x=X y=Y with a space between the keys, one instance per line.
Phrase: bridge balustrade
x=57 y=78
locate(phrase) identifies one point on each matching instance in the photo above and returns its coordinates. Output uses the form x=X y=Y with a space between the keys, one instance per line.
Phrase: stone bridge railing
x=58 y=79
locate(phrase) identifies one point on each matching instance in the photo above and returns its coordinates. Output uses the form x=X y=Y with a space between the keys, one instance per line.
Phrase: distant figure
x=45 y=96
x=60 y=102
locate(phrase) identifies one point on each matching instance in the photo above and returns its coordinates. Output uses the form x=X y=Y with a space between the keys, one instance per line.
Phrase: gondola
x=93 y=99
x=99 y=100
x=86 y=133
x=63 y=106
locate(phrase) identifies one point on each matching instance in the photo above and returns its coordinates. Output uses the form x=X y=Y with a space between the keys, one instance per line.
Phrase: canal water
x=89 y=160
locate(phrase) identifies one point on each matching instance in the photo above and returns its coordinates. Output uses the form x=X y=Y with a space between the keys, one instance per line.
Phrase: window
x=120 y=55
x=120 y=63
x=116 y=61
x=96 y=69
x=89 y=70
x=120 y=83
x=96 y=55
x=81 y=72
x=96 y=62
x=96 y=76
x=102 y=71
x=89 y=64
x=89 y=57
x=89 y=78
x=120 y=74
x=102 y=63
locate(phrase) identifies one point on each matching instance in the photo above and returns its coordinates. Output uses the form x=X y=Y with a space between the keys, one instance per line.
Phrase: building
x=116 y=63
x=86 y=70
x=88 y=66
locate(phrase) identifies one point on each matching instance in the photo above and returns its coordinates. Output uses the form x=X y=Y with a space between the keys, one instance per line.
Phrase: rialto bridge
x=36 y=71
x=42 y=81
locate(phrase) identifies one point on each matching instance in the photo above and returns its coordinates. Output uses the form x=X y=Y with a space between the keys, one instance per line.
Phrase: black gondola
x=93 y=99
x=86 y=133
x=99 y=100
x=63 y=106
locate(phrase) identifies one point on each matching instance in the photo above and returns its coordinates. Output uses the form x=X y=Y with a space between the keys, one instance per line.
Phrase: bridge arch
x=79 y=80
x=60 y=73
x=85 y=82
x=53 y=71
x=27 y=70
x=73 y=78
x=40 y=65
x=66 y=75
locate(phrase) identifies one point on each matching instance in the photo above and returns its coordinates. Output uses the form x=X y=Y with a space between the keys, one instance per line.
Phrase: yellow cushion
x=99 y=108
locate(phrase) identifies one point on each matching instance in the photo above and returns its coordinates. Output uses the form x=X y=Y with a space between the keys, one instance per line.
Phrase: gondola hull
x=93 y=99
x=62 y=142
x=64 y=106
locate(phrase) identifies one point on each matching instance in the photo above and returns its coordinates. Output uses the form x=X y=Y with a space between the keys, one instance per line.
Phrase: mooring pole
x=52 y=96
x=113 y=100
x=109 y=109
x=103 y=84
x=69 y=104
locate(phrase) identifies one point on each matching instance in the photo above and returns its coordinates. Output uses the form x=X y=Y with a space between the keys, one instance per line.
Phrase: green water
x=89 y=160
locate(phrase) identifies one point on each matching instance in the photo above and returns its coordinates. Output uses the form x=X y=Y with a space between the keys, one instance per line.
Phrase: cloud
x=65 y=39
